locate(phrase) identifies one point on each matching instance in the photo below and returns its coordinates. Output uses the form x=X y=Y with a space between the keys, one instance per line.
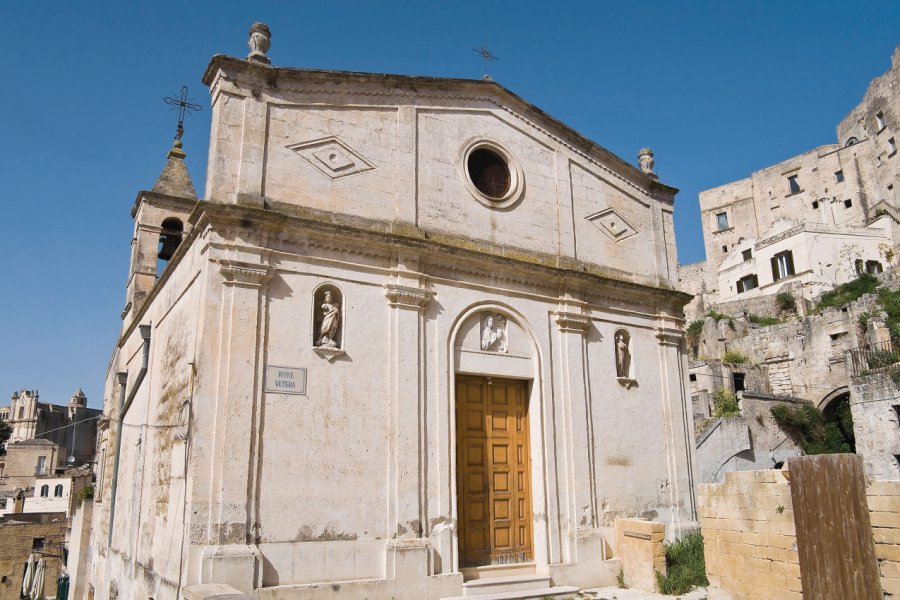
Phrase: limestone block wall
x=749 y=537
x=875 y=423
x=639 y=544
x=883 y=498
x=750 y=540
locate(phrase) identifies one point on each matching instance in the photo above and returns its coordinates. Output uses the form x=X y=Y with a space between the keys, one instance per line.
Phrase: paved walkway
x=614 y=593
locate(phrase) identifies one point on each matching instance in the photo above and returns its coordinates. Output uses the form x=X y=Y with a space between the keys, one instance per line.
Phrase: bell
x=168 y=243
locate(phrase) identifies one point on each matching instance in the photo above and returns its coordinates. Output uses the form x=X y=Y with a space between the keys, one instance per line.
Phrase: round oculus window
x=489 y=173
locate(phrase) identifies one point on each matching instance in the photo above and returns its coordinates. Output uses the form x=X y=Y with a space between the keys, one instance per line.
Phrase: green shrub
x=725 y=403
x=734 y=357
x=808 y=428
x=848 y=292
x=786 y=302
x=764 y=321
x=877 y=359
x=685 y=565
x=85 y=493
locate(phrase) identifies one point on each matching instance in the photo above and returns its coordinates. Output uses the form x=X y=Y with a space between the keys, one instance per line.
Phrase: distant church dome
x=79 y=398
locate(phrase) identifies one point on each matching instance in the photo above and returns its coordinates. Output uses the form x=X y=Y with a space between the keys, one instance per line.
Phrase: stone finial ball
x=260 y=27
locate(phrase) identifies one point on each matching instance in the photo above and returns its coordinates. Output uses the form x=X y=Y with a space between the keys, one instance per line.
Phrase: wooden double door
x=493 y=471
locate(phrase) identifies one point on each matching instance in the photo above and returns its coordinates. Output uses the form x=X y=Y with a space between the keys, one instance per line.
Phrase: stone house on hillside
x=809 y=222
x=838 y=359
x=418 y=338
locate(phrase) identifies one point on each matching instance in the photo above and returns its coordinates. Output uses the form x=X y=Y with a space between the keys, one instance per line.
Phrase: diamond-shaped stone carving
x=612 y=224
x=332 y=157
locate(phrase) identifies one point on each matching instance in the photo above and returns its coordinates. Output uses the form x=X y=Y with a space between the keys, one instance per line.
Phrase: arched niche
x=328 y=317
x=490 y=341
x=623 y=356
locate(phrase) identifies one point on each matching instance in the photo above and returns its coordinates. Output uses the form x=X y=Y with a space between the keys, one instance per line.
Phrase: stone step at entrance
x=515 y=587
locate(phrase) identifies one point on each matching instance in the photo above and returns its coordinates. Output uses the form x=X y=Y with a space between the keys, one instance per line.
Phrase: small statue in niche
x=259 y=42
x=493 y=333
x=623 y=355
x=331 y=318
x=646 y=162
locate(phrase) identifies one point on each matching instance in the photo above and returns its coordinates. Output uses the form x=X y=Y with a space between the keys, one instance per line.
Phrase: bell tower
x=160 y=222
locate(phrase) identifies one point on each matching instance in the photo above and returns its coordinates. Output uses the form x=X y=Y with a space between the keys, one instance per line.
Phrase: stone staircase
x=514 y=587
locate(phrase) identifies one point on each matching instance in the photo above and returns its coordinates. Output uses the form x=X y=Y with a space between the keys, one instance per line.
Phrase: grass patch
x=685 y=565
x=848 y=292
x=720 y=316
x=890 y=302
x=735 y=357
x=725 y=403
x=764 y=321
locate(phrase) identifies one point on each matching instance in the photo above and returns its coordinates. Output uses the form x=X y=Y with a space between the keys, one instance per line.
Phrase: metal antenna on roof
x=182 y=104
x=488 y=56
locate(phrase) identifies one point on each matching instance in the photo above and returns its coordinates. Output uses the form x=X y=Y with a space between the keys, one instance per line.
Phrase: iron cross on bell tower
x=182 y=104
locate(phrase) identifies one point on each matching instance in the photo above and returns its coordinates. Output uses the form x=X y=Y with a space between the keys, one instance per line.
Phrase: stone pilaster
x=678 y=425
x=407 y=300
x=581 y=506
x=232 y=556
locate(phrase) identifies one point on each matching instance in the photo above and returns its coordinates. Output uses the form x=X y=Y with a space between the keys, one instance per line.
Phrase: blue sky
x=717 y=89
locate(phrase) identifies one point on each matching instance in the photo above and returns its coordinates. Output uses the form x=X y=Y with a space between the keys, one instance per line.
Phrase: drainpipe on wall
x=124 y=405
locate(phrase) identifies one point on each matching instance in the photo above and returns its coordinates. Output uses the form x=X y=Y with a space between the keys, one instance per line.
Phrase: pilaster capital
x=243 y=273
x=572 y=322
x=403 y=296
x=668 y=336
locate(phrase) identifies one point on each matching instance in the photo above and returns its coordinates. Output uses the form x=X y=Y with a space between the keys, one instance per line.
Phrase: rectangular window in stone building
x=37 y=544
x=724 y=249
x=747 y=254
x=745 y=284
x=793 y=185
x=879 y=121
x=782 y=265
x=839 y=176
x=897 y=412
x=738 y=380
x=892 y=147
x=873 y=267
x=848 y=203
x=722 y=220
x=815 y=204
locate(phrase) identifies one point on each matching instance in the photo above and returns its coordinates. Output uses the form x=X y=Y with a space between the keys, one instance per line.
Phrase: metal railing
x=872 y=358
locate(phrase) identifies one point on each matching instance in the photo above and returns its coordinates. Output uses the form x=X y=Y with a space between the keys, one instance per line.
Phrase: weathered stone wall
x=16 y=543
x=880 y=170
x=883 y=498
x=639 y=544
x=875 y=423
x=749 y=538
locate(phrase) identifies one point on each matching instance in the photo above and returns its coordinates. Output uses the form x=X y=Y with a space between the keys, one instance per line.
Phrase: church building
x=419 y=339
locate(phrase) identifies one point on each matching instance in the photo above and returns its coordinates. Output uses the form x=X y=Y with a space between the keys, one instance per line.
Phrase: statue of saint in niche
x=331 y=318
x=493 y=337
x=623 y=355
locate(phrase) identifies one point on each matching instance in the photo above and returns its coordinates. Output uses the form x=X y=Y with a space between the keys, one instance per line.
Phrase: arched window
x=58 y=491
x=45 y=491
x=851 y=142
x=172 y=230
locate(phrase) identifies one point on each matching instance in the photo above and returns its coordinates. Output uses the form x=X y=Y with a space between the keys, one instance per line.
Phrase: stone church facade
x=418 y=333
